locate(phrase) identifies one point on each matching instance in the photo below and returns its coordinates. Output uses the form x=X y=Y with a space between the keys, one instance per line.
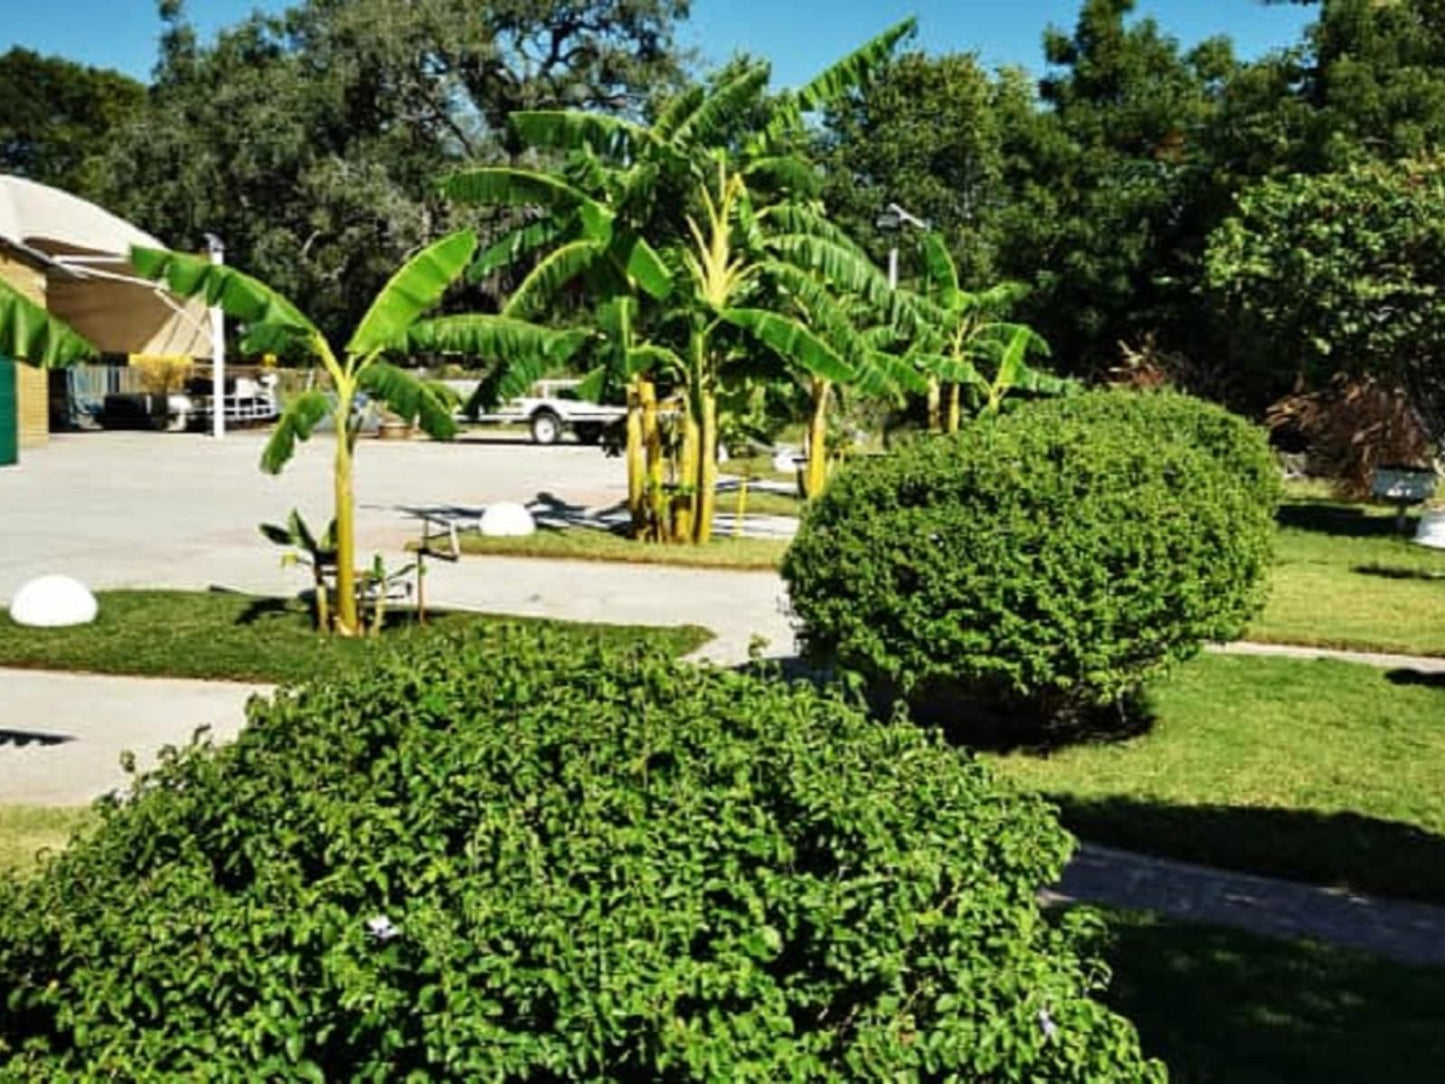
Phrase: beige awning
x=91 y=284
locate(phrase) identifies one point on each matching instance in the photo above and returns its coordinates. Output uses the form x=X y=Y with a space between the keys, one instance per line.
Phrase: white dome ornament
x=53 y=602
x=506 y=519
x=1431 y=530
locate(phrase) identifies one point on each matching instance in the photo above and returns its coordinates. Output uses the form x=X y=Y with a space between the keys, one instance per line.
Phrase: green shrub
x=1053 y=558
x=513 y=858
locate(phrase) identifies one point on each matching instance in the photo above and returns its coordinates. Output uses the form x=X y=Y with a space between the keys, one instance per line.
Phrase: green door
x=9 y=415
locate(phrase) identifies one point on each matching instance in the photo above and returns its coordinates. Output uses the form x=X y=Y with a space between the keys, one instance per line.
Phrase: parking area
x=180 y=510
x=172 y=509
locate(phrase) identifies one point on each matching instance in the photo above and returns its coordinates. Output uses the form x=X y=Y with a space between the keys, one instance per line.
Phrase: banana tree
x=967 y=339
x=392 y=325
x=31 y=334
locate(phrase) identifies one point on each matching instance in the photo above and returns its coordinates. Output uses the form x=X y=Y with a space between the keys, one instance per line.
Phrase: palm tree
x=967 y=337
x=766 y=272
x=392 y=325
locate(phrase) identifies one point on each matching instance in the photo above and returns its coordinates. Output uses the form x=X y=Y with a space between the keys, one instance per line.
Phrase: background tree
x=53 y=115
x=926 y=134
x=1340 y=274
x=310 y=140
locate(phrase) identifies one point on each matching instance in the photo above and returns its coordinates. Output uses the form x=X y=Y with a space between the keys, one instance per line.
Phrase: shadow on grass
x=1346 y=521
x=1415 y=677
x=1397 y=572
x=1219 y=1005
x=260 y=608
x=1348 y=850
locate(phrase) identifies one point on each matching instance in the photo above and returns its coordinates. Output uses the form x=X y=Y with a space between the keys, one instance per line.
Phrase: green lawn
x=239 y=637
x=594 y=544
x=1315 y=770
x=1223 y=1007
x=1345 y=578
x=25 y=831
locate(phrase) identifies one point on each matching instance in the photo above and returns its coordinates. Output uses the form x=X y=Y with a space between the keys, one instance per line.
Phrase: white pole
x=218 y=349
x=893 y=268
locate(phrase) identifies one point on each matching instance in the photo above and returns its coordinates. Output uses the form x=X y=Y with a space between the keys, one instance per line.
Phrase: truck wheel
x=546 y=427
x=588 y=432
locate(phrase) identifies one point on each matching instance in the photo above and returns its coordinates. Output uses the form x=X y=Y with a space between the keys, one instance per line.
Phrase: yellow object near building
x=32 y=386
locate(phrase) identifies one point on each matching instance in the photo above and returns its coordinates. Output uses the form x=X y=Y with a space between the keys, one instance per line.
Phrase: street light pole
x=218 y=348
x=892 y=220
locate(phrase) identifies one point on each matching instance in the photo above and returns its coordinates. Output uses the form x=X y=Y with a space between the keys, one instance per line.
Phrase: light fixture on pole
x=891 y=220
x=218 y=348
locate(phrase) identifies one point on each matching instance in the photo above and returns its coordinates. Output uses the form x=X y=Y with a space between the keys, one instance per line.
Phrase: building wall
x=23 y=277
x=32 y=404
x=32 y=387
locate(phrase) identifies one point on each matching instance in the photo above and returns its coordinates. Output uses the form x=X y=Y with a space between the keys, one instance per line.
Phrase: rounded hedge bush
x=1055 y=557
x=512 y=857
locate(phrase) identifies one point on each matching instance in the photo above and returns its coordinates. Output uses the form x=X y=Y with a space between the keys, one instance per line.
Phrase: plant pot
x=388 y=430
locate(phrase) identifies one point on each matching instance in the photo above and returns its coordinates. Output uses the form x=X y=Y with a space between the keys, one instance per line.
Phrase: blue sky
x=798 y=36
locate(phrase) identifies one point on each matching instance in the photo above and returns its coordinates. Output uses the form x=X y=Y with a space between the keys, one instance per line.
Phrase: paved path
x=62 y=735
x=1409 y=932
x=1419 y=663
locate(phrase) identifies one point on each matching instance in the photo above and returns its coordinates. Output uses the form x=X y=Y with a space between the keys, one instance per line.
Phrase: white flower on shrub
x=382 y=928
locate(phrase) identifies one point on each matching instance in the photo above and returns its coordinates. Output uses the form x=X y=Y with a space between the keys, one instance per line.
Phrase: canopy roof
x=90 y=283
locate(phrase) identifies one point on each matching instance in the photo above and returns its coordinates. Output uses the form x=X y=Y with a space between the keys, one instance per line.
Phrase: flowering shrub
x=513 y=858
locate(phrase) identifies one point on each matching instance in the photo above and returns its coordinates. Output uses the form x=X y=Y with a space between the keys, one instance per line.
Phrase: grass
x=1345 y=578
x=227 y=636
x=594 y=544
x=1319 y=771
x=26 y=831
x=1224 y=1006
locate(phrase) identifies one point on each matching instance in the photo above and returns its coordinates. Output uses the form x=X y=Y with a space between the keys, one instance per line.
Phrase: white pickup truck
x=550 y=409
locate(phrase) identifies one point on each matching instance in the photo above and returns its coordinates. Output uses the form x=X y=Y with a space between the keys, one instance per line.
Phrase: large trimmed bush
x=1052 y=558
x=511 y=858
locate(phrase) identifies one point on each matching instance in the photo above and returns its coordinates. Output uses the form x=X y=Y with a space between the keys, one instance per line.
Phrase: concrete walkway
x=1412 y=933
x=62 y=735
x=1422 y=664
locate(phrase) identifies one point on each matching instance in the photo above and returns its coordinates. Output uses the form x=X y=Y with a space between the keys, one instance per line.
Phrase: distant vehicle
x=551 y=408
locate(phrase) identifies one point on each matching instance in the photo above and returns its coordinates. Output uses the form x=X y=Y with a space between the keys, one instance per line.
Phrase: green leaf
x=413 y=290
x=31 y=334
x=554 y=272
x=723 y=107
x=791 y=340
x=296 y=423
x=571 y=130
x=237 y=294
x=520 y=187
x=855 y=70
x=787 y=171
x=641 y=264
x=942 y=274
x=678 y=109
x=516 y=244
x=413 y=399
x=500 y=338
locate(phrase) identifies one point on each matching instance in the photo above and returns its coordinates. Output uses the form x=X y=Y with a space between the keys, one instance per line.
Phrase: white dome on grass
x=53 y=602
x=506 y=519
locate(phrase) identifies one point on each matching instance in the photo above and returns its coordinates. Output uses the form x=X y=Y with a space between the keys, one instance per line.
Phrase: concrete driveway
x=181 y=510
x=127 y=509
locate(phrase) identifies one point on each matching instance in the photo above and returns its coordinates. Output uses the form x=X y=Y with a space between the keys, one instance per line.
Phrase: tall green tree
x=715 y=178
x=1340 y=273
x=926 y=134
x=310 y=140
x=55 y=114
x=392 y=326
